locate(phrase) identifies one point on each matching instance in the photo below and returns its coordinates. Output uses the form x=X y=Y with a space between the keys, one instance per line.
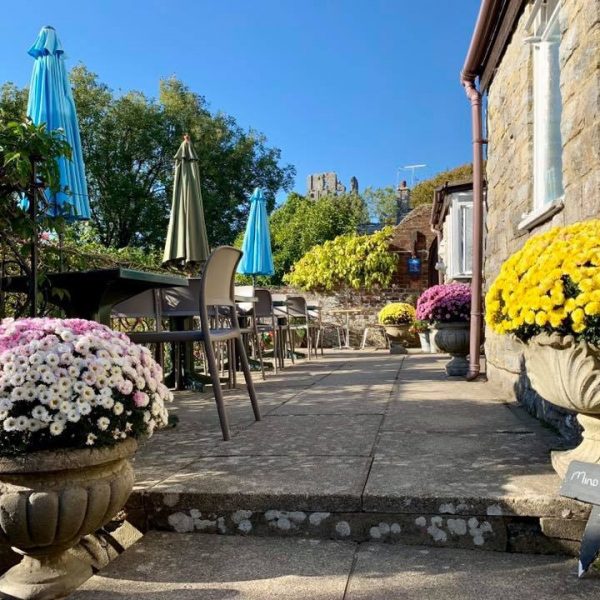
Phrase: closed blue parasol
x=51 y=102
x=257 y=258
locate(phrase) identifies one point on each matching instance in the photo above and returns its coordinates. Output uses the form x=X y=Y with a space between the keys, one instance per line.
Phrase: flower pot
x=48 y=501
x=567 y=374
x=397 y=335
x=453 y=338
x=424 y=340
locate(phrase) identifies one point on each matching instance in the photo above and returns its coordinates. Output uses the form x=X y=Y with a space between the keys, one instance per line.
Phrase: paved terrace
x=354 y=449
x=364 y=447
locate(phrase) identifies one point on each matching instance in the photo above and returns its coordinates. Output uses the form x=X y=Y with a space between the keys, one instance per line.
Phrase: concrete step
x=361 y=447
x=168 y=566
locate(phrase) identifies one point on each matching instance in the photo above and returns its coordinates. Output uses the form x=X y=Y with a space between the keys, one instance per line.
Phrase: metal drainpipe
x=474 y=96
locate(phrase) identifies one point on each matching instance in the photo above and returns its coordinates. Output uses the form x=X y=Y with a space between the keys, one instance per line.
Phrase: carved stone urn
x=453 y=338
x=48 y=501
x=397 y=335
x=567 y=373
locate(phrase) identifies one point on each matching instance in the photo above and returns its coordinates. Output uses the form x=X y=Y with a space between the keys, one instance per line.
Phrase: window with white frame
x=547 y=104
x=460 y=238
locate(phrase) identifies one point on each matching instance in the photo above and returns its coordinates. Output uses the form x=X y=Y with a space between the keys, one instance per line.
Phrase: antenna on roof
x=412 y=169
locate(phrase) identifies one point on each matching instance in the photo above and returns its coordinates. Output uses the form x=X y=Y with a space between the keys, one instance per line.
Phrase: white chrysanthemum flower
x=29 y=392
x=10 y=424
x=40 y=413
x=21 y=423
x=56 y=428
x=6 y=404
x=52 y=359
x=73 y=371
x=106 y=392
x=89 y=378
x=103 y=423
x=17 y=379
x=16 y=394
x=91 y=438
x=48 y=377
x=60 y=418
x=73 y=416
x=88 y=393
x=118 y=408
x=84 y=408
x=54 y=402
x=147 y=416
x=36 y=359
x=65 y=407
x=78 y=387
x=3 y=414
x=107 y=402
x=35 y=425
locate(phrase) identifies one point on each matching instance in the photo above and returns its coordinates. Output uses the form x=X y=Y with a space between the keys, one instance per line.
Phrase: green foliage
x=356 y=262
x=128 y=143
x=396 y=313
x=382 y=204
x=422 y=193
x=28 y=156
x=301 y=223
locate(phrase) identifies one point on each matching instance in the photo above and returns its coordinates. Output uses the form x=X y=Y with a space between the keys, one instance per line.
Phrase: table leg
x=347 y=344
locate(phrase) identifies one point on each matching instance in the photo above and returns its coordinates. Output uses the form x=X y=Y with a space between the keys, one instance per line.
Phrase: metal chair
x=268 y=319
x=216 y=291
x=301 y=321
x=247 y=312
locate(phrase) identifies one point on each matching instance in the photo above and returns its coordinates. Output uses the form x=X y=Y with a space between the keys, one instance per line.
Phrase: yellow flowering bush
x=397 y=313
x=551 y=285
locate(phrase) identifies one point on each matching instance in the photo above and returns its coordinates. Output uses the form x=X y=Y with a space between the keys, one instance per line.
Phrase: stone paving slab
x=209 y=567
x=264 y=482
x=171 y=566
x=311 y=435
x=434 y=416
x=385 y=572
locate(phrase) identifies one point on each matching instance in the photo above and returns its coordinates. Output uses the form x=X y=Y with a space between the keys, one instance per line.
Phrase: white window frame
x=460 y=202
x=542 y=21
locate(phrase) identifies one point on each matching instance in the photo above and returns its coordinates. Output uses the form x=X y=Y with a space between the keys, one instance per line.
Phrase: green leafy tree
x=128 y=143
x=348 y=262
x=301 y=223
x=422 y=193
x=382 y=204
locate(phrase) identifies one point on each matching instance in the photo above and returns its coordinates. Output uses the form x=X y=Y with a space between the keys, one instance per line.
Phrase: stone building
x=323 y=184
x=541 y=73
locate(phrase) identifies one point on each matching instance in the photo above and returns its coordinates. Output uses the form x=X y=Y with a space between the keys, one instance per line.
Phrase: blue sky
x=360 y=87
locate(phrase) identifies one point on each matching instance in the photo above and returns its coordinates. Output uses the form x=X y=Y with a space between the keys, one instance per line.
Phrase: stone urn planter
x=48 y=501
x=567 y=374
x=397 y=334
x=453 y=338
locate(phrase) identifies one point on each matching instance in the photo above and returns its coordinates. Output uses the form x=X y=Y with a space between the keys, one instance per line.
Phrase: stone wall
x=510 y=160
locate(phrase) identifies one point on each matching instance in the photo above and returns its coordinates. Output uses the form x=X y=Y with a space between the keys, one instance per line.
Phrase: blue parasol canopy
x=257 y=258
x=51 y=102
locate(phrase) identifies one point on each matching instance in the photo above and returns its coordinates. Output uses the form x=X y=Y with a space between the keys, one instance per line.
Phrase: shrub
x=71 y=383
x=445 y=303
x=396 y=313
x=551 y=285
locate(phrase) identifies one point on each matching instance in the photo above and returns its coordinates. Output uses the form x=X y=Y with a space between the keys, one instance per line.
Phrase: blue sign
x=414 y=265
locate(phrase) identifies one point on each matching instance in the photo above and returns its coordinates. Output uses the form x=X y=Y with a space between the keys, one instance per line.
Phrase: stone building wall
x=510 y=163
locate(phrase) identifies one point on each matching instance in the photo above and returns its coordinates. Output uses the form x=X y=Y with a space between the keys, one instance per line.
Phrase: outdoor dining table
x=93 y=294
x=347 y=312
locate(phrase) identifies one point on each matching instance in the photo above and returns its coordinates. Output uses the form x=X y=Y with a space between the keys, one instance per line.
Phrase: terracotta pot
x=398 y=336
x=567 y=374
x=453 y=338
x=48 y=501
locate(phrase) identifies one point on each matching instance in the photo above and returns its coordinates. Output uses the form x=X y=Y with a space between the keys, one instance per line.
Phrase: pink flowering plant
x=71 y=383
x=445 y=303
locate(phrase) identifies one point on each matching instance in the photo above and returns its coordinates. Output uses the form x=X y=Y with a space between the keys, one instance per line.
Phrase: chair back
x=182 y=301
x=264 y=304
x=143 y=305
x=241 y=291
x=297 y=307
x=217 y=282
x=280 y=311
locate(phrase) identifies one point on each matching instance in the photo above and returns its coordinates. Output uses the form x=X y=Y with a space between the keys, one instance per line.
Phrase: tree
x=422 y=193
x=128 y=144
x=301 y=223
x=348 y=262
x=382 y=204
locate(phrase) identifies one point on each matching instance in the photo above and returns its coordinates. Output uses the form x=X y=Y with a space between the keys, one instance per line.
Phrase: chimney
x=402 y=201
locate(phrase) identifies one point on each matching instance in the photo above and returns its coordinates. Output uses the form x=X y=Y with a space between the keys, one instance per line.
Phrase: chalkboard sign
x=582 y=482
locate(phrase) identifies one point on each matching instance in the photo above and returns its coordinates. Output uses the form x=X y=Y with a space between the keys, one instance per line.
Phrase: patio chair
x=273 y=320
x=247 y=312
x=216 y=291
x=301 y=321
x=142 y=307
